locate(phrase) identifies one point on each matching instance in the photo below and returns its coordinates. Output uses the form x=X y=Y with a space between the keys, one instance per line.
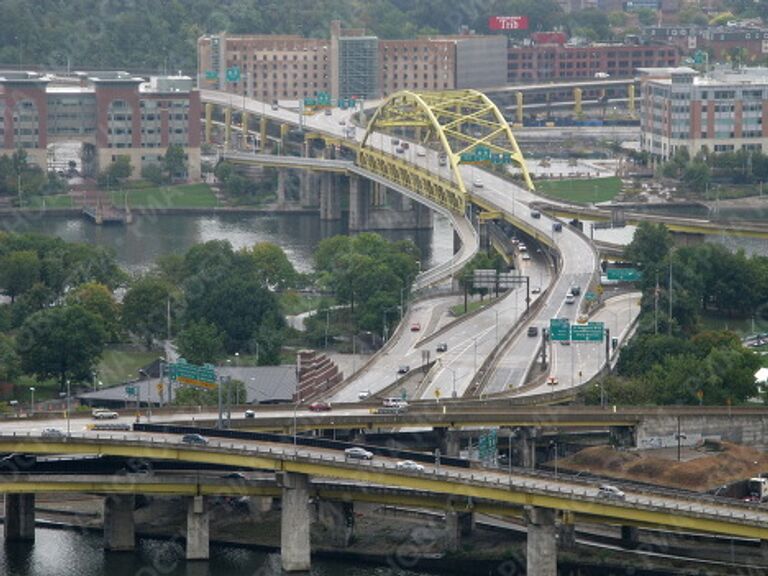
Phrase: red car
x=319 y=407
x=415 y=327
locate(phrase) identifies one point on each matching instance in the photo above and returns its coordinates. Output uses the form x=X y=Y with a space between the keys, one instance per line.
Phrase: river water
x=138 y=245
x=72 y=553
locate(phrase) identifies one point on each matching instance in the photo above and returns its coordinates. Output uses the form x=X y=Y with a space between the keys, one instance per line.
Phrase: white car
x=608 y=492
x=421 y=152
x=410 y=466
x=477 y=183
x=526 y=256
x=358 y=453
x=52 y=433
x=570 y=298
x=105 y=415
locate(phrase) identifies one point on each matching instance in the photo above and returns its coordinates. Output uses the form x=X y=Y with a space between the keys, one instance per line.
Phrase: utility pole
x=669 y=327
x=656 y=306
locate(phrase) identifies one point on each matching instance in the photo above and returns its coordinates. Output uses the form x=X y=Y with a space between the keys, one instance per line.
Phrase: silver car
x=410 y=466
x=609 y=492
x=358 y=453
x=52 y=433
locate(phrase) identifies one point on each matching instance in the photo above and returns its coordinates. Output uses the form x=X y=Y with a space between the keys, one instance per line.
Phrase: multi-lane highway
x=470 y=343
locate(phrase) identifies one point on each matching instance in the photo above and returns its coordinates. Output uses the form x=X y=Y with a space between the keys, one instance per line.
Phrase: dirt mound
x=710 y=470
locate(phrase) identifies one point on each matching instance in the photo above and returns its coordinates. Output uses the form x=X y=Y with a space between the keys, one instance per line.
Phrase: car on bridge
x=609 y=492
x=533 y=331
x=410 y=466
x=105 y=414
x=358 y=453
x=319 y=407
x=194 y=439
x=250 y=414
x=416 y=327
x=404 y=369
x=442 y=347
x=52 y=433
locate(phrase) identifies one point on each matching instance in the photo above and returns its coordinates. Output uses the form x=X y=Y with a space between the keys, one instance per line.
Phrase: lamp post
x=149 y=394
x=32 y=401
x=69 y=396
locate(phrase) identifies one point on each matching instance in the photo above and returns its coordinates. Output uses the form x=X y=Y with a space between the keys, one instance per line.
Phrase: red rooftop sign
x=508 y=22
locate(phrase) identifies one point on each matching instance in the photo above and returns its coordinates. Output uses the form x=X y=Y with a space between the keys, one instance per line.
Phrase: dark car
x=535 y=214
x=533 y=331
x=575 y=290
x=442 y=347
x=404 y=369
x=194 y=439
x=319 y=407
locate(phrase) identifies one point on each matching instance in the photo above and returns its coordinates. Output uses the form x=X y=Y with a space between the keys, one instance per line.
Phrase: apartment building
x=109 y=113
x=725 y=110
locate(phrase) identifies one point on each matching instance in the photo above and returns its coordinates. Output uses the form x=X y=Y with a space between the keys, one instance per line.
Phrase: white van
x=395 y=402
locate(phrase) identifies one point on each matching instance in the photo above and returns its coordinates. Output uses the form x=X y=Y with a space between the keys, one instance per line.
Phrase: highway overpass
x=542 y=497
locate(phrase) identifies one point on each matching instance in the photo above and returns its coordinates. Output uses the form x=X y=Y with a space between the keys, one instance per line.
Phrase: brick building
x=109 y=113
x=558 y=61
x=721 y=42
x=726 y=110
x=351 y=63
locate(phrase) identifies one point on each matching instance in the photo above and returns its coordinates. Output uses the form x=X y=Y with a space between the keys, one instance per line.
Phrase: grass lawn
x=583 y=191
x=183 y=196
x=57 y=201
x=117 y=364
x=741 y=326
x=292 y=303
x=458 y=310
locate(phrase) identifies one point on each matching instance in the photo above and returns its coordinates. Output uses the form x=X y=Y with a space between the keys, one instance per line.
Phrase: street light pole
x=32 y=401
x=69 y=396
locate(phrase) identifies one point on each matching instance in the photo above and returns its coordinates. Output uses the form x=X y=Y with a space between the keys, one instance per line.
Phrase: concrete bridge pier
x=458 y=525
x=19 y=517
x=339 y=519
x=623 y=436
x=119 y=530
x=541 y=549
x=282 y=176
x=359 y=203
x=527 y=447
x=198 y=517
x=449 y=441
x=330 y=198
x=566 y=531
x=294 y=522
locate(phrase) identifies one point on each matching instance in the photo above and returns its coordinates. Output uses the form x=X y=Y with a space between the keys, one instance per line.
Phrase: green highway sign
x=589 y=332
x=320 y=99
x=559 y=329
x=202 y=376
x=590 y=296
x=481 y=155
x=233 y=74
x=623 y=274
x=131 y=390
x=211 y=74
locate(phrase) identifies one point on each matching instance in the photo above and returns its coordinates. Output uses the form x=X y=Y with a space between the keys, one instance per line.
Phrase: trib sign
x=201 y=376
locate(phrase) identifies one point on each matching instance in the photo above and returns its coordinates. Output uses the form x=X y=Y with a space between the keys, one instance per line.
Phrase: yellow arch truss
x=452 y=122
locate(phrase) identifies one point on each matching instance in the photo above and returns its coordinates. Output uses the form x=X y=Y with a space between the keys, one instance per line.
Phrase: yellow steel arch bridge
x=461 y=124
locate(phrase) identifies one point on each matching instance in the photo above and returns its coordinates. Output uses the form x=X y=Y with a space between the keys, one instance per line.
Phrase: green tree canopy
x=145 y=308
x=201 y=343
x=63 y=342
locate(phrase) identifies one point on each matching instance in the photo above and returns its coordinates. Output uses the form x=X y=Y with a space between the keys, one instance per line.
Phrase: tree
x=19 y=270
x=116 y=172
x=97 y=299
x=231 y=389
x=237 y=305
x=200 y=343
x=649 y=248
x=646 y=16
x=145 y=308
x=273 y=265
x=10 y=363
x=696 y=177
x=153 y=173
x=175 y=162
x=63 y=342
